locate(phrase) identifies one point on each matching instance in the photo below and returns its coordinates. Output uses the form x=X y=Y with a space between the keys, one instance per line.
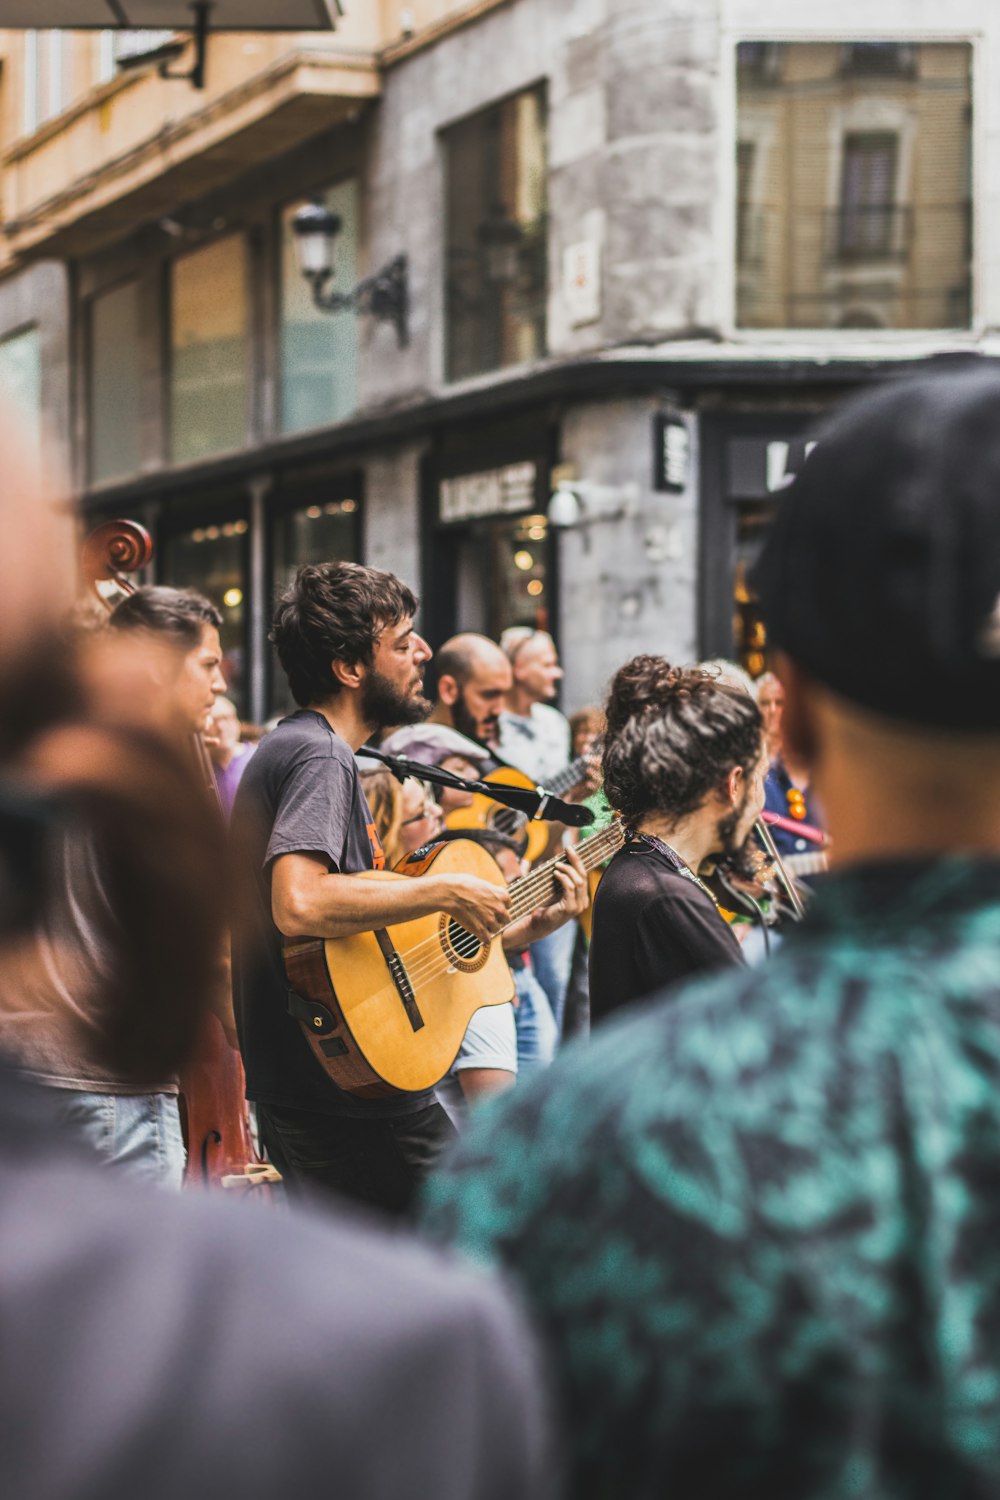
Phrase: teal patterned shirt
x=760 y=1225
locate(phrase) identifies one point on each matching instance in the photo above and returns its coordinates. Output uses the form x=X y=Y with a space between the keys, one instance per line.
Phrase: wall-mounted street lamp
x=581 y=503
x=384 y=295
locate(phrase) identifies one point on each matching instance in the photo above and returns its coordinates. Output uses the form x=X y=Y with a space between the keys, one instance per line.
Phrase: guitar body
x=485 y=813
x=376 y=1035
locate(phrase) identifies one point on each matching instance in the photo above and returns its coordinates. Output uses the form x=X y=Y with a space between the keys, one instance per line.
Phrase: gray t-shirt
x=300 y=794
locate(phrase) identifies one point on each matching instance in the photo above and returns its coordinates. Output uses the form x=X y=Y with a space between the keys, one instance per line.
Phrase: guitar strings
x=525 y=899
x=526 y=894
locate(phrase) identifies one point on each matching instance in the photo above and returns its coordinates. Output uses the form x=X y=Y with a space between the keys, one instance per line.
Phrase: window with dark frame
x=210 y=349
x=871 y=223
x=318 y=351
x=114 y=378
x=496 y=240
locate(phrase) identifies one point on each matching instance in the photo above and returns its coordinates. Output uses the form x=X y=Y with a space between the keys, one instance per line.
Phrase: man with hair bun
x=684 y=764
x=759 y=1223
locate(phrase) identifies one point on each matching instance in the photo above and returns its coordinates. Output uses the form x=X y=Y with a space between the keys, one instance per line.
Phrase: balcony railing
x=868 y=232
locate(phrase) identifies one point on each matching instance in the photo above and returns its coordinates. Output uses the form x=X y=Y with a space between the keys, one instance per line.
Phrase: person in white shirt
x=535 y=737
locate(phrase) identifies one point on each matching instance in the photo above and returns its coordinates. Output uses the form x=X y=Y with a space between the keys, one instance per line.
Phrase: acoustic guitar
x=385 y=1012
x=485 y=813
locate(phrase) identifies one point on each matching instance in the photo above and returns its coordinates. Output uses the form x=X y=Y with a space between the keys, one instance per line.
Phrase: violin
x=220 y=1145
x=755 y=882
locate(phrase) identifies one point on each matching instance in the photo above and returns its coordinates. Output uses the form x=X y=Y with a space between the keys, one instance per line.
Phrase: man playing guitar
x=345 y=637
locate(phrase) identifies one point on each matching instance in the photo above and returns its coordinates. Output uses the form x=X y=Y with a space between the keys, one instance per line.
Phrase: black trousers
x=381 y=1163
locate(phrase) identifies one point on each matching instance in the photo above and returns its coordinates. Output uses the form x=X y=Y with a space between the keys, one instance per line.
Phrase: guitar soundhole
x=508 y=820
x=464 y=951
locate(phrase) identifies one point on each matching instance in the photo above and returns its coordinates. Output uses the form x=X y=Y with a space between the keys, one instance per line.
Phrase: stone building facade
x=648 y=243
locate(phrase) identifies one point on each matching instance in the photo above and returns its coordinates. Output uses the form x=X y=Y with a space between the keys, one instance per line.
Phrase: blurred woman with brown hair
x=405 y=814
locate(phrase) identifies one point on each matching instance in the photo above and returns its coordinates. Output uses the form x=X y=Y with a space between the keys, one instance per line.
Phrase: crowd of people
x=746 y=1226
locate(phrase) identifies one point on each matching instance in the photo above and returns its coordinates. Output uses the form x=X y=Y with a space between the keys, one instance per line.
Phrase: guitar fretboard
x=538 y=888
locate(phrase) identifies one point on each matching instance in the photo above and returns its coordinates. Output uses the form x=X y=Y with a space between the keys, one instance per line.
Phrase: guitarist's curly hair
x=334 y=611
x=673 y=736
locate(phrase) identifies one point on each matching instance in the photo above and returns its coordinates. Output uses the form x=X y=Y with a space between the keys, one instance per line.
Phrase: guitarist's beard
x=384 y=705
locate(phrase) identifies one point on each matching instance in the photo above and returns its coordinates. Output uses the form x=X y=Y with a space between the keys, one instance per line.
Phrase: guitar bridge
x=400 y=978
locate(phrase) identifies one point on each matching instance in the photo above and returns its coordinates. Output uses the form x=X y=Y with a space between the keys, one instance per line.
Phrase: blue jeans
x=537 y=1033
x=552 y=960
x=137 y=1134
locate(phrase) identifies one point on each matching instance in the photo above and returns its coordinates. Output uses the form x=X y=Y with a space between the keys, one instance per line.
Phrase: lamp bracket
x=384 y=296
x=195 y=75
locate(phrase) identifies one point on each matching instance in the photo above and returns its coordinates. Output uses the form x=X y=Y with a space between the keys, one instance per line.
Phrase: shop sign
x=759 y=467
x=494 y=492
x=582 y=282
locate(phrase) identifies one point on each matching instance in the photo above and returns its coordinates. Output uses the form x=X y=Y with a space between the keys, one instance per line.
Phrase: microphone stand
x=534 y=802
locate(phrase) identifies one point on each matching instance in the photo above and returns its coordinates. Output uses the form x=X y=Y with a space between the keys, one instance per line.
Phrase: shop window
x=319 y=351
x=212 y=559
x=749 y=633
x=853 y=185
x=496 y=249
x=327 y=529
x=21 y=379
x=209 y=350
x=113 y=385
x=323 y=531
x=503 y=574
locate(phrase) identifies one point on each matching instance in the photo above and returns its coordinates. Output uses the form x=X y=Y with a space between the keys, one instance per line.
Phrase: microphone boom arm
x=534 y=802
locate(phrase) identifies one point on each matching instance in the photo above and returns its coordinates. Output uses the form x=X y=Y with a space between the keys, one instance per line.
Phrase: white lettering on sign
x=495 y=492
x=777 y=467
x=675 y=455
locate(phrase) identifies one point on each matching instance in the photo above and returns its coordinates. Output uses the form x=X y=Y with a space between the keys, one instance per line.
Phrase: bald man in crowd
x=473 y=680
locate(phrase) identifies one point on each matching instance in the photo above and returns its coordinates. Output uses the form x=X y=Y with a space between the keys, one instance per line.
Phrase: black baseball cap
x=880 y=576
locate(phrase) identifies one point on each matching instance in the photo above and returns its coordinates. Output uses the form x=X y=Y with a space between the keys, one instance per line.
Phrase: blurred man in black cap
x=760 y=1224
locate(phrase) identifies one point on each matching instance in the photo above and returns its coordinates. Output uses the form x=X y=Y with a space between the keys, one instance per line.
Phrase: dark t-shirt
x=653 y=926
x=300 y=794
